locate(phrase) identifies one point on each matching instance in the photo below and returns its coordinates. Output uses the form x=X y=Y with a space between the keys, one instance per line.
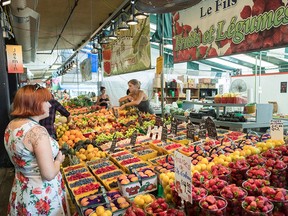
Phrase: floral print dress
x=30 y=194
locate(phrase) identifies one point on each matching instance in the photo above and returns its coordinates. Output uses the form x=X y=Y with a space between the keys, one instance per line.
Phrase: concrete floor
x=6 y=180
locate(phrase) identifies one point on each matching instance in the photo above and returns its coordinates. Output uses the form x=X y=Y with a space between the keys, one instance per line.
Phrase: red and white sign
x=14 y=59
x=224 y=27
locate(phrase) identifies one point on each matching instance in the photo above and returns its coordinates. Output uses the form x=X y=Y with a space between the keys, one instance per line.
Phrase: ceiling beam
x=217 y=65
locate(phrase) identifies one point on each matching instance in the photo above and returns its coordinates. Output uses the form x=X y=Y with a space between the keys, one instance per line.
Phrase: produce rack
x=154 y=159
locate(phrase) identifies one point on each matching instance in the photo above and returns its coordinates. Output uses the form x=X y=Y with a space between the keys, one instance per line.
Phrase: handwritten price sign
x=183 y=176
x=276 y=130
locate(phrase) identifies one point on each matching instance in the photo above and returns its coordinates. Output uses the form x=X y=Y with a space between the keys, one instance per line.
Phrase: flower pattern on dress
x=43 y=206
x=30 y=194
x=21 y=210
x=18 y=161
x=6 y=136
x=20 y=133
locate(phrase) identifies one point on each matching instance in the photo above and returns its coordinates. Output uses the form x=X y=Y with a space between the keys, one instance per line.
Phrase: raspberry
x=246 y=12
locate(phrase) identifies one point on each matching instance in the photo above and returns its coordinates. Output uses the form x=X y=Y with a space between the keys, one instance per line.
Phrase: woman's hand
x=60 y=157
x=122 y=107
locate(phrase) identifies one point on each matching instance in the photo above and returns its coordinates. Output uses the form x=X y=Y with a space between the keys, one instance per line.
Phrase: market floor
x=6 y=180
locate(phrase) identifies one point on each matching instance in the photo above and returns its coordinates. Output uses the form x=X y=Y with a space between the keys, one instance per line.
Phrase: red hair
x=28 y=101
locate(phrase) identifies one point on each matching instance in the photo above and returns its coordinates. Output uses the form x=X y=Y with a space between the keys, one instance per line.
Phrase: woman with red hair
x=38 y=187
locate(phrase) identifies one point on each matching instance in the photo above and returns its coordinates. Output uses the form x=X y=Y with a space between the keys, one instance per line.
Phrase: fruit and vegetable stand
x=235 y=174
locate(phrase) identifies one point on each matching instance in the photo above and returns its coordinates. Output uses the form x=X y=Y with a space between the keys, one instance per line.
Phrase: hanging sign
x=211 y=128
x=130 y=52
x=14 y=59
x=183 y=176
x=276 y=130
x=218 y=28
x=159 y=65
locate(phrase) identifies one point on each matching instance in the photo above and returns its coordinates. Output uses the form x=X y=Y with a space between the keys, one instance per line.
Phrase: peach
x=125 y=181
x=121 y=200
x=134 y=179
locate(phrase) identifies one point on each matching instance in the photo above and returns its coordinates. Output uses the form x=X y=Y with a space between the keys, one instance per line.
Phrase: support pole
x=161 y=51
x=5 y=101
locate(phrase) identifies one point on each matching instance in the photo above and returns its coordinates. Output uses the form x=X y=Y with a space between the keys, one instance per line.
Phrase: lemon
x=148 y=199
x=168 y=197
x=100 y=210
x=169 y=174
x=204 y=161
x=165 y=180
x=139 y=201
x=108 y=213
x=203 y=167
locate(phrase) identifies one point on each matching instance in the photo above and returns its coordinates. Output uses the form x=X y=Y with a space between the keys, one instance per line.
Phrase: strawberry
x=210 y=199
x=213 y=207
x=249 y=199
x=176 y=17
x=202 y=51
x=258 y=7
x=273 y=5
x=279 y=196
x=246 y=12
x=212 y=52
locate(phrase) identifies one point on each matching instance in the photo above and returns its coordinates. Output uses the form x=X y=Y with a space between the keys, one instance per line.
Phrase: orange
x=70 y=143
x=72 y=137
x=78 y=134
x=64 y=138
x=73 y=132
x=77 y=139
x=67 y=133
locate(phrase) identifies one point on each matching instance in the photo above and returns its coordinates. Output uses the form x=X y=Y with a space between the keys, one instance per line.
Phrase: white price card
x=183 y=176
x=276 y=130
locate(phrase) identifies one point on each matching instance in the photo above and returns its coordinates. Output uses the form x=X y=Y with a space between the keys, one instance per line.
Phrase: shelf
x=216 y=104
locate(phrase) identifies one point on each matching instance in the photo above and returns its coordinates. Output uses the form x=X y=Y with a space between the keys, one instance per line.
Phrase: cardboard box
x=205 y=80
x=135 y=188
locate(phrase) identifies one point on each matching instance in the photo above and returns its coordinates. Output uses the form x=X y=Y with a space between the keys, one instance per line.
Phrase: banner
x=218 y=28
x=14 y=59
x=128 y=53
x=85 y=68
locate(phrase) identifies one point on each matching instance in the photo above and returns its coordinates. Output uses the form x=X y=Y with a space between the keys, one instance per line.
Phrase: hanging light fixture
x=141 y=15
x=132 y=20
x=94 y=48
x=103 y=38
x=112 y=35
x=122 y=26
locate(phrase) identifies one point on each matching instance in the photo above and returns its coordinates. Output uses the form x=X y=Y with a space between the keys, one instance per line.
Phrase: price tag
x=174 y=126
x=164 y=134
x=183 y=176
x=140 y=119
x=211 y=128
x=191 y=131
x=276 y=130
x=202 y=130
x=115 y=112
x=113 y=144
x=133 y=138
x=158 y=121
